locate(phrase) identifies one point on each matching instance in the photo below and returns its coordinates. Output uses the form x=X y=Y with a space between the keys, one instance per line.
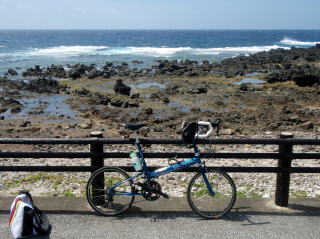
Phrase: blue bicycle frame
x=173 y=167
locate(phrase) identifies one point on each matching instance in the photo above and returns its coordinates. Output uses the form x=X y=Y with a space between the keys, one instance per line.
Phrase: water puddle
x=250 y=80
x=177 y=105
x=147 y=85
x=254 y=74
x=49 y=105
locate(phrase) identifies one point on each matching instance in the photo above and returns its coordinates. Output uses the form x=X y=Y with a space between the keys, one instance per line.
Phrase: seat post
x=136 y=136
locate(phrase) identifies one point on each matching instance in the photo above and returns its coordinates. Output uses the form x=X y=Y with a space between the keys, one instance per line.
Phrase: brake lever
x=217 y=125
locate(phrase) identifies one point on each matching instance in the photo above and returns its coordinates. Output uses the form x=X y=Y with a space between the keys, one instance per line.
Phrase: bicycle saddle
x=133 y=126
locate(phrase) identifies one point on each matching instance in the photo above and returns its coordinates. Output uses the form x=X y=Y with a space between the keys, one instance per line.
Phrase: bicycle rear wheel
x=212 y=206
x=105 y=200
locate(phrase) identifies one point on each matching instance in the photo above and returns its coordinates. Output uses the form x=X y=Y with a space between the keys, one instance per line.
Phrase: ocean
x=21 y=49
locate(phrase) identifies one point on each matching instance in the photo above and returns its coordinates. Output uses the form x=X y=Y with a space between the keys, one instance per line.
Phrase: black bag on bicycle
x=189 y=131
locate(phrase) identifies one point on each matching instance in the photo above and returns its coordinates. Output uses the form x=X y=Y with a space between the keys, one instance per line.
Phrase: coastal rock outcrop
x=43 y=85
x=121 y=88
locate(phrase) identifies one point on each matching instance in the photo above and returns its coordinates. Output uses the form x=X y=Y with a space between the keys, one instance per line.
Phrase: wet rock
x=25 y=123
x=121 y=88
x=157 y=129
x=3 y=109
x=33 y=71
x=285 y=110
x=195 y=110
x=116 y=102
x=307 y=125
x=155 y=95
x=94 y=73
x=74 y=74
x=305 y=80
x=199 y=90
x=294 y=118
x=11 y=72
x=133 y=103
x=106 y=74
x=1 y=117
x=79 y=70
x=82 y=92
x=56 y=71
x=165 y=100
x=246 y=87
x=135 y=96
x=125 y=104
x=148 y=111
x=43 y=85
x=85 y=125
x=16 y=110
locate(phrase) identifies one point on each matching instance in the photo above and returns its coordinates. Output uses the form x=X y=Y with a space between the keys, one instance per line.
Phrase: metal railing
x=285 y=155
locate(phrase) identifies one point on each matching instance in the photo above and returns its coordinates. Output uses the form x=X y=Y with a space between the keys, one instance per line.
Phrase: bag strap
x=41 y=225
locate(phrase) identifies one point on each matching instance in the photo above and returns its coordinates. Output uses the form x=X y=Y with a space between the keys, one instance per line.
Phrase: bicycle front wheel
x=216 y=204
x=103 y=197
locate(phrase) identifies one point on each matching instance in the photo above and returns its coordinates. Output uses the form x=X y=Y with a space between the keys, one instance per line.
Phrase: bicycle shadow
x=237 y=214
x=243 y=214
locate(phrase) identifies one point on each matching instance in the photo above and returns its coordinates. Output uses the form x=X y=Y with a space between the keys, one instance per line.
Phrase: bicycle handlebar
x=211 y=125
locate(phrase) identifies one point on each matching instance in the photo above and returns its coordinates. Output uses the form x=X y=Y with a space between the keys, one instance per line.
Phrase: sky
x=159 y=14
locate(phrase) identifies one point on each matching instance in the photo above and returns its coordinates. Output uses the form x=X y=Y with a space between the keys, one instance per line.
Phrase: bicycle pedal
x=166 y=196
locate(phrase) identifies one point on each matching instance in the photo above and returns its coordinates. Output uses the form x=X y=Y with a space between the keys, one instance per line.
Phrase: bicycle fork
x=203 y=171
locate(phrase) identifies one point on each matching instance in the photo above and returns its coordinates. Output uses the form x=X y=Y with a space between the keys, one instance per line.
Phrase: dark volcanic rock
x=12 y=72
x=82 y=92
x=121 y=88
x=36 y=71
x=94 y=73
x=43 y=85
x=56 y=71
x=199 y=90
x=79 y=70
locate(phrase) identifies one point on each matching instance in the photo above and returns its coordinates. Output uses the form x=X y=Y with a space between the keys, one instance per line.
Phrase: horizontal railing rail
x=285 y=155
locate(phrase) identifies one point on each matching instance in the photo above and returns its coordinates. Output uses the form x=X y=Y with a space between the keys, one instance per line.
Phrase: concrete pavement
x=250 y=218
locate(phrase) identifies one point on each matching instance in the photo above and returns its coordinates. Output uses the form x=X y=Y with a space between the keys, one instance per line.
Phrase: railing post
x=97 y=162
x=283 y=178
x=96 y=148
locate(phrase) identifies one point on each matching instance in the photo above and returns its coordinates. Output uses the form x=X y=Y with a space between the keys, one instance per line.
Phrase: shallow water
x=178 y=105
x=250 y=80
x=43 y=105
x=147 y=85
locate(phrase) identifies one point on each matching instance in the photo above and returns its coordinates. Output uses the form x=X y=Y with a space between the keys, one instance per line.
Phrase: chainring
x=148 y=190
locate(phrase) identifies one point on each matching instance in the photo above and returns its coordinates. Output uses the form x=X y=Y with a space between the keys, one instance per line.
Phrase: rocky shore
x=258 y=96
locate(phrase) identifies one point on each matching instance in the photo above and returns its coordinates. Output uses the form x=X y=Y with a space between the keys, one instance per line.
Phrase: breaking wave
x=77 y=51
x=171 y=51
x=293 y=42
x=66 y=50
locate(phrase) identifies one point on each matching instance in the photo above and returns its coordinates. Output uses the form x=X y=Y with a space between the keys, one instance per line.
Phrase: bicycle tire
x=219 y=204
x=106 y=203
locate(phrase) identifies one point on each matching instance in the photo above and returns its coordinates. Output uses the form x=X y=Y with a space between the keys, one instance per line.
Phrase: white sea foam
x=65 y=50
x=146 y=51
x=219 y=50
x=171 y=51
x=293 y=42
x=74 y=51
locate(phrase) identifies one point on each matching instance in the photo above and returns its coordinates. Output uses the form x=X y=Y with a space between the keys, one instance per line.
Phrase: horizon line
x=160 y=29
